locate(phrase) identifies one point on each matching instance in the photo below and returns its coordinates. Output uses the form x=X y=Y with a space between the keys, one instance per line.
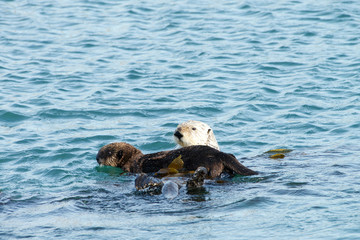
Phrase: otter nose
x=178 y=135
x=98 y=158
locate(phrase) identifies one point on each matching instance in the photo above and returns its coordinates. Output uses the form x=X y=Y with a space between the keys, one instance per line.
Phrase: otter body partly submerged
x=131 y=159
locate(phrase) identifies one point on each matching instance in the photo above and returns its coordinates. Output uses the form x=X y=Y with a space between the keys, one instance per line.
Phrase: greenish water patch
x=10 y=117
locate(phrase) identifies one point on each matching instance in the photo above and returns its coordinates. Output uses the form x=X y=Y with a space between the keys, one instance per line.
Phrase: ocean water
x=76 y=75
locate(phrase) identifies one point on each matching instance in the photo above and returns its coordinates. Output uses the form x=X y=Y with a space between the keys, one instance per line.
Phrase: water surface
x=76 y=75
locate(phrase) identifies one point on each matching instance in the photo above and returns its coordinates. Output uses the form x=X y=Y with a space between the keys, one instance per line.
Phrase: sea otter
x=131 y=159
x=195 y=133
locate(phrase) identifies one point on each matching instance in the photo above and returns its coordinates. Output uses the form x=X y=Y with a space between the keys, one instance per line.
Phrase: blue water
x=76 y=75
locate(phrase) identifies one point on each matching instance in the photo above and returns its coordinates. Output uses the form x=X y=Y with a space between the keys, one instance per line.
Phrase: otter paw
x=147 y=183
x=198 y=178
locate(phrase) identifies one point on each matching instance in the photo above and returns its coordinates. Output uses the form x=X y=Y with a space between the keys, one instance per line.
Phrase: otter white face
x=195 y=133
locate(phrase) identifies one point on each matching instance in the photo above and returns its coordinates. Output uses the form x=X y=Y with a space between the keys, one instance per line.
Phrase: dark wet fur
x=131 y=159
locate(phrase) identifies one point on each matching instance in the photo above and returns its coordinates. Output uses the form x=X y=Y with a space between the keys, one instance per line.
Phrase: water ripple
x=10 y=117
x=78 y=75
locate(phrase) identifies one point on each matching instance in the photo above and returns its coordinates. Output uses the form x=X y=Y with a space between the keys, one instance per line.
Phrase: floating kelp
x=277 y=155
x=279 y=150
x=174 y=167
x=177 y=163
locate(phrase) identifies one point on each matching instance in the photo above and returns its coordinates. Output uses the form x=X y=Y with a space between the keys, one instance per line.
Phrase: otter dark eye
x=193 y=128
x=209 y=130
x=120 y=154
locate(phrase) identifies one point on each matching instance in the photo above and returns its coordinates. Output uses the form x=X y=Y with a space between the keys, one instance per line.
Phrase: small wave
x=56 y=113
x=10 y=117
x=267 y=68
x=286 y=64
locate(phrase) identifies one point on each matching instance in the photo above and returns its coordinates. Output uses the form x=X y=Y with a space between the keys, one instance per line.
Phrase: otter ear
x=119 y=154
x=209 y=130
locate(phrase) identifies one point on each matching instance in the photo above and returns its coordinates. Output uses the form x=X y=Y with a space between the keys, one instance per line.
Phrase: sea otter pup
x=195 y=133
x=131 y=159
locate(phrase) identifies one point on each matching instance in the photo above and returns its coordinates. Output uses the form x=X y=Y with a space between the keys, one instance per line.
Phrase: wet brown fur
x=131 y=159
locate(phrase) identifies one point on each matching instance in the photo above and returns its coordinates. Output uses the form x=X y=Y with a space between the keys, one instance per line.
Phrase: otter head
x=195 y=133
x=120 y=154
